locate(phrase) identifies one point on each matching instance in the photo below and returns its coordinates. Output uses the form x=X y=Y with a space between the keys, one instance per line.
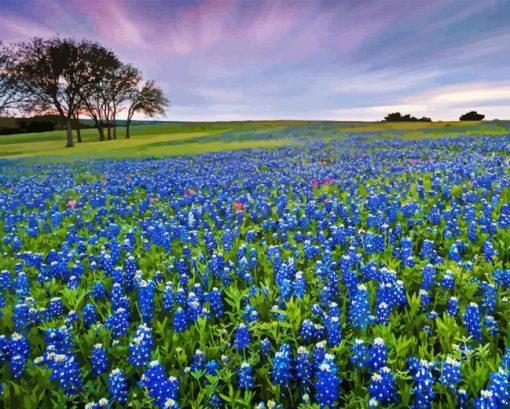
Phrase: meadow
x=275 y=264
x=184 y=138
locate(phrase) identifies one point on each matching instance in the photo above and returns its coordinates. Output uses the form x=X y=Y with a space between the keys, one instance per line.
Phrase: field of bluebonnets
x=351 y=273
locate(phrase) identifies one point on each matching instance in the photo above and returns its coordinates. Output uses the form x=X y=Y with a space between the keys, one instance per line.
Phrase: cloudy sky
x=255 y=59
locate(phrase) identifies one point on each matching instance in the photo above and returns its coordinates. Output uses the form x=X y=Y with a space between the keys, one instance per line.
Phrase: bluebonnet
x=472 y=321
x=359 y=312
x=281 y=373
x=265 y=346
x=299 y=285
x=199 y=361
x=428 y=277
x=19 y=349
x=447 y=281
x=450 y=373
x=383 y=313
x=489 y=295
x=488 y=250
x=211 y=367
x=98 y=291
x=118 y=322
x=318 y=354
x=168 y=296
x=425 y=298
x=146 y=291
x=486 y=400
x=242 y=337
x=117 y=386
x=502 y=278
x=303 y=367
x=383 y=386
x=66 y=371
x=55 y=308
x=22 y=285
x=244 y=373
x=377 y=354
x=421 y=372
x=452 y=306
x=427 y=249
x=99 y=360
x=328 y=382
x=180 y=321
x=216 y=302
x=163 y=390
x=21 y=316
x=359 y=354
x=89 y=314
x=333 y=330
x=491 y=325
x=462 y=399
x=140 y=349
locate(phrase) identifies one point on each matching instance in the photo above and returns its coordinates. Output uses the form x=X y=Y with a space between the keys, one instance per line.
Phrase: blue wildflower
x=383 y=386
x=327 y=385
x=140 y=349
x=99 y=360
x=117 y=386
x=246 y=379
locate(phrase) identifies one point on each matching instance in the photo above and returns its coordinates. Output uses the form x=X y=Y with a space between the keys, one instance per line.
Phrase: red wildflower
x=153 y=199
x=72 y=203
x=238 y=206
x=315 y=183
x=329 y=181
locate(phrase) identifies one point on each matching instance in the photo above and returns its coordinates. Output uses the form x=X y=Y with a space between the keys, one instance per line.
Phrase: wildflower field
x=353 y=272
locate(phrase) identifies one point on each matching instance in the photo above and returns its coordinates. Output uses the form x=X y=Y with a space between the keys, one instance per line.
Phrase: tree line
x=71 y=78
x=398 y=117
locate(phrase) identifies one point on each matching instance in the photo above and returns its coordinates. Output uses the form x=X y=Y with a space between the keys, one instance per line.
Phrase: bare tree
x=125 y=80
x=149 y=100
x=96 y=93
x=13 y=92
x=55 y=70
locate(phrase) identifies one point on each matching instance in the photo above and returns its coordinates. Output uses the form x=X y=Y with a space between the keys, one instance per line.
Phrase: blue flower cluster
x=325 y=274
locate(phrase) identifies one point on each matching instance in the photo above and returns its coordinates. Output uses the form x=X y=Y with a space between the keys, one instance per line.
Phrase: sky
x=256 y=59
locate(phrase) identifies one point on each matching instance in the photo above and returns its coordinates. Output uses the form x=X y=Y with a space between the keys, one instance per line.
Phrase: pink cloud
x=112 y=21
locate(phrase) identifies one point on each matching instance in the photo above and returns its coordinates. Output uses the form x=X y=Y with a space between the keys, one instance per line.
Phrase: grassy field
x=180 y=138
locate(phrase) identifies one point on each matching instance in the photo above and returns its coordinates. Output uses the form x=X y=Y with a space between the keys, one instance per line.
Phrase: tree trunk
x=114 y=122
x=101 y=131
x=69 y=128
x=108 y=129
x=78 y=131
x=128 y=124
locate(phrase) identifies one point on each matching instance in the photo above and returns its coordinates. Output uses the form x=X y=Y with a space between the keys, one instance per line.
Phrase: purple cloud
x=221 y=59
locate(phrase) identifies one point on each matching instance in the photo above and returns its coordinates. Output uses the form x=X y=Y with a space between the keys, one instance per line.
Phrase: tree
x=472 y=116
x=149 y=100
x=12 y=92
x=55 y=71
x=102 y=63
x=126 y=80
x=398 y=117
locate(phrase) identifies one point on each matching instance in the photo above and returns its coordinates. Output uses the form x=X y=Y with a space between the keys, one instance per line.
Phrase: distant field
x=180 y=138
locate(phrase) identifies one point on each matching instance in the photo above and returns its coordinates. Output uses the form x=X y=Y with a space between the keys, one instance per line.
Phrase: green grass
x=182 y=138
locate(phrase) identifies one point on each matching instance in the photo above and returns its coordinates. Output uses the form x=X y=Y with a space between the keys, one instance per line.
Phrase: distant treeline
x=398 y=117
x=38 y=123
